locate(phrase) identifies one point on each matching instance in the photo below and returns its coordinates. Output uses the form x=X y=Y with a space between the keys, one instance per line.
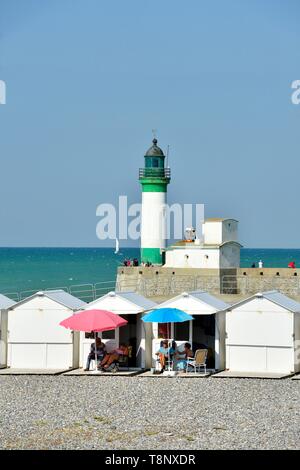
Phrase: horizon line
x=130 y=247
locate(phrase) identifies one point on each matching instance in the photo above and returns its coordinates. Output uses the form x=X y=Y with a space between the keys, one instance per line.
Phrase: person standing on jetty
x=260 y=264
x=292 y=265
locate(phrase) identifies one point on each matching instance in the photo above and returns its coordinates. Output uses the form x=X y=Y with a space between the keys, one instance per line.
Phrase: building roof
x=154 y=150
x=136 y=299
x=273 y=296
x=232 y=242
x=5 y=302
x=59 y=296
x=202 y=246
x=219 y=219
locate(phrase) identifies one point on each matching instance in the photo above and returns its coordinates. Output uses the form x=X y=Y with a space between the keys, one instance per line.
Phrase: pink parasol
x=93 y=320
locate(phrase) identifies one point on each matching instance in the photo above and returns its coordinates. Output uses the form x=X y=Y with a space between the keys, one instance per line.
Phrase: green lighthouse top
x=154 y=177
x=154 y=150
x=154 y=157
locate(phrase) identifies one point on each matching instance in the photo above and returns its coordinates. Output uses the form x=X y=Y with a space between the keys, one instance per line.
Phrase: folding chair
x=198 y=361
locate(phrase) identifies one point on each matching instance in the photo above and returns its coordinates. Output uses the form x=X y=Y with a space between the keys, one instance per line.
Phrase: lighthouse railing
x=154 y=173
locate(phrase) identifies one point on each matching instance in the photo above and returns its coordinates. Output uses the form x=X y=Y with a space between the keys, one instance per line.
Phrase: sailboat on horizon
x=117 y=246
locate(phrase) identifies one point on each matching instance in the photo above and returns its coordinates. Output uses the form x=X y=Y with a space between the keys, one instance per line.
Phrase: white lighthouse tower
x=154 y=178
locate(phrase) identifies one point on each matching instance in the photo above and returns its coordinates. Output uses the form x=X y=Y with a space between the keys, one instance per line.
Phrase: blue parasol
x=167 y=315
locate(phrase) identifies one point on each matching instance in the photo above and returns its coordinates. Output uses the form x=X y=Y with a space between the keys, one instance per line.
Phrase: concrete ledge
x=249 y=375
x=94 y=373
x=10 y=371
x=296 y=377
x=180 y=375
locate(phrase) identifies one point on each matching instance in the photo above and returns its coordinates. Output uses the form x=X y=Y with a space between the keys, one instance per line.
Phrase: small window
x=89 y=335
x=164 y=330
x=110 y=334
x=155 y=163
x=181 y=331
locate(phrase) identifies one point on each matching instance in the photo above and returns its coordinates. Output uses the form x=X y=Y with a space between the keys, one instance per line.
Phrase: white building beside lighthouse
x=218 y=249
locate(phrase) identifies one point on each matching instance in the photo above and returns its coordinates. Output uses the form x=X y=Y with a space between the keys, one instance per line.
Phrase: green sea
x=30 y=269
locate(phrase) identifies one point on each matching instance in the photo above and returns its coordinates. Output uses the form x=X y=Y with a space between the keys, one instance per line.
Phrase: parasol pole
x=95 y=351
x=169 y=334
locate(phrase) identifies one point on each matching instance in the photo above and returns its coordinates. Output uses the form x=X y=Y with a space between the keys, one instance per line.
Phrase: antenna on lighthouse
x=154 y=132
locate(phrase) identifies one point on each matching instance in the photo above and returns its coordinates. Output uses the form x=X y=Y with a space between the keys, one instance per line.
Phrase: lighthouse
x=154 y=178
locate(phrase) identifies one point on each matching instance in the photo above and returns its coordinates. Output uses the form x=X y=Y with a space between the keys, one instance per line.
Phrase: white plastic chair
x=198 y=361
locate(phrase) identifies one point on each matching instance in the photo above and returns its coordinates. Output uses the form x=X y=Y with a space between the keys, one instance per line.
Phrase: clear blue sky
x=87 y=80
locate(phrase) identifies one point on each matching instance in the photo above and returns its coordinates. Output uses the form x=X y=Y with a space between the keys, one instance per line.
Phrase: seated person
x=114 y=356
x=164 y=353
x=100 y=353
x=181 y=356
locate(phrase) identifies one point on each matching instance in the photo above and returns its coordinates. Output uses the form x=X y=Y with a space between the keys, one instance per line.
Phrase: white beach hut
x=263 y=334
x=136 y=333
x=206 y=330
x=5 y=303
x=35 y=340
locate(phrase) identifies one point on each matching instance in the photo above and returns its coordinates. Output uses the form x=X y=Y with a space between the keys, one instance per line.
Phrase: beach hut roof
x=202 y=297
x=136 y=299
x=273 y=296
x=59 y=296
x=5 y=302
x=209 y=299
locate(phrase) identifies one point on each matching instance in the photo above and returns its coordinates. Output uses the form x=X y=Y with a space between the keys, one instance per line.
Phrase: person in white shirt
x=260 y=264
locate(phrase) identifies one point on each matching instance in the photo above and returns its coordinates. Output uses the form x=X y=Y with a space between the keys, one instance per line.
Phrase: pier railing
x=85 y=292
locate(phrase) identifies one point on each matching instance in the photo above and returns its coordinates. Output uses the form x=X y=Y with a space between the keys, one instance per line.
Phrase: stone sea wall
x=162 y=282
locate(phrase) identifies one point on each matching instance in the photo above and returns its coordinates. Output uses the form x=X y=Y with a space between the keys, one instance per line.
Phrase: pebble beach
x=59 y=412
